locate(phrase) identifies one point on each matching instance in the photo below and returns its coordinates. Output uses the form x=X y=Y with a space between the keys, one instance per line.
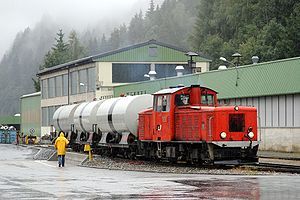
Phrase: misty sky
x=16 y=15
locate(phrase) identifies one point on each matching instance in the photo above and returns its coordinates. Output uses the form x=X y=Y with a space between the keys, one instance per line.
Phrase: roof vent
x=222 y=67
x=152 y=75
x=255 y=59
x=179 y=69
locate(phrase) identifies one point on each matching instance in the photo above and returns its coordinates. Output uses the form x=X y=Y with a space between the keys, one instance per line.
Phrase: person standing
x=18 y=138
x=60 y=145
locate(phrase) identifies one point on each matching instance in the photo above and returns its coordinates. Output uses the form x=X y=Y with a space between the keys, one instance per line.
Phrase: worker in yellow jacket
x=60 y=145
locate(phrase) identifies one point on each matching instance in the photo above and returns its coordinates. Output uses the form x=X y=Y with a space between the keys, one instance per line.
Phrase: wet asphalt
x=25 y=178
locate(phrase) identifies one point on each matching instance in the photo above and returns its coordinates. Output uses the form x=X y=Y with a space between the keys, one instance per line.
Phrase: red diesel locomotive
x=187 y=124
x=184 y=124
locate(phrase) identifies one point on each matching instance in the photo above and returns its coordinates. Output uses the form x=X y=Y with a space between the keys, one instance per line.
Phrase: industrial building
x=94 y=77
x=31 y=114
x=272 y=87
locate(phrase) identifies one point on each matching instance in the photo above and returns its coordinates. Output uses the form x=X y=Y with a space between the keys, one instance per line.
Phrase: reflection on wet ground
x=23 y=178
x=241 y=188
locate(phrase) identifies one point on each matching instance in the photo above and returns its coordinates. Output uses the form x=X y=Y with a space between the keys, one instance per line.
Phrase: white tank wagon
x=85 y=123
x=77 y=118
x=88 y=117
x=63 y=118
x=118 y=117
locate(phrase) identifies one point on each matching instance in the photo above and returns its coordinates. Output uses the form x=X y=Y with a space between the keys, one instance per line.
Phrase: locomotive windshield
x=236 y=122
x=207 y=99
x=162 y=103
x=182 y=99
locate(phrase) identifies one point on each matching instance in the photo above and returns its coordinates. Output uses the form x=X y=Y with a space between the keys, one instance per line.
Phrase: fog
x=16 y=15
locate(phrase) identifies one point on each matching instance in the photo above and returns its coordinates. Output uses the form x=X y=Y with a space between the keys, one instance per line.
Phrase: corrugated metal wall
x=30 y=115
x=274 y=111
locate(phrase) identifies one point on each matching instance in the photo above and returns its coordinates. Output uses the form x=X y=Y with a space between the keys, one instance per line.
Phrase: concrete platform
x=71 y=157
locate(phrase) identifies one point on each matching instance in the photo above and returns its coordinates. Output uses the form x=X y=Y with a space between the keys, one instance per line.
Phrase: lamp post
x=191 y=63
x=86 y=90
x=236 y=64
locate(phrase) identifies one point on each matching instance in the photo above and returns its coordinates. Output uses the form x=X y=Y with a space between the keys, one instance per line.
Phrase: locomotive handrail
x=209 y=128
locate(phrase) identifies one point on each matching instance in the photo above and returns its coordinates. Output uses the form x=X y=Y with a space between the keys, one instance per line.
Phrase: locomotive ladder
x=159 y=149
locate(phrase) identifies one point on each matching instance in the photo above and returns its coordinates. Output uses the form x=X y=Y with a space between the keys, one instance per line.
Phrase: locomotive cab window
x=207 y=99
x=236 y=122
x=162 y=103
x=182 y=99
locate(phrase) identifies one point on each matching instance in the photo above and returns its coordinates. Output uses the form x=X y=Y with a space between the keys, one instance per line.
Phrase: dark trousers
x=61 y=160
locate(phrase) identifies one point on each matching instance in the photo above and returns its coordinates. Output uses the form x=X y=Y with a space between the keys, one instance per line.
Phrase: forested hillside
x=266 y=28
x=269 y=29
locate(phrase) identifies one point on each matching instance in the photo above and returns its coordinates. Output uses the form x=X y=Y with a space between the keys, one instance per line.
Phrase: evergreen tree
x=136 y=29
x=151 y=8
x=76 y=50
x=36 y=84
x=58 y=54
x=103 y=45
x=268 y=29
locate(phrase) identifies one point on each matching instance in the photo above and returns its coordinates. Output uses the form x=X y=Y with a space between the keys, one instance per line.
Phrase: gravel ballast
x=147 y=166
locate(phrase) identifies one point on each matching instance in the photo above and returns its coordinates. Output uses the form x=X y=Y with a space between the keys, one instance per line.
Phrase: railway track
x=262 y=166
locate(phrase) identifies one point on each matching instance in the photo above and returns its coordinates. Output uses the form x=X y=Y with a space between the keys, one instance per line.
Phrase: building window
x=44 y=89
x=44 y=116
x=58 y=86
x=65 y=85
x=51 y=111
x=153 y=51
x=51 y=87
x=91 y=74
x=74 y=82
x=83 y=81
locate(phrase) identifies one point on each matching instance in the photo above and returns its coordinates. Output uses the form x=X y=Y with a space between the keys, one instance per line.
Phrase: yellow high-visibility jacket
x=60 y=144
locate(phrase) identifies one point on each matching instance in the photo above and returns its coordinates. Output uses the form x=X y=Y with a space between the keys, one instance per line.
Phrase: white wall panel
x=290 y=110
x=249 y=101
x=282 y=111
x=269 y=112
x=244 y=101
x=275 y=111
x=297 y=110
x=262 y=111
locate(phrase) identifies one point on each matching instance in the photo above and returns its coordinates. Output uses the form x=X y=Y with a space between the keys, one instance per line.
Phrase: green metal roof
x=262 y=79
x=134 y=53
x=10 y=120
x=140 y=53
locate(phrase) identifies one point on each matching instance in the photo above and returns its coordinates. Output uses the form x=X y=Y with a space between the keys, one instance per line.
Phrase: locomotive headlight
x=223 y=135
x=251 y=134
x=250 y=129
x=236 y=108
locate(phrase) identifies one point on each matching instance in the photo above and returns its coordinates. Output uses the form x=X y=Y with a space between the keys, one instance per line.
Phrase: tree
x=151 y=8
x=76 y=50
x=37 y=85
x=136 y=29
x=58 y=53
x=268 y=29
